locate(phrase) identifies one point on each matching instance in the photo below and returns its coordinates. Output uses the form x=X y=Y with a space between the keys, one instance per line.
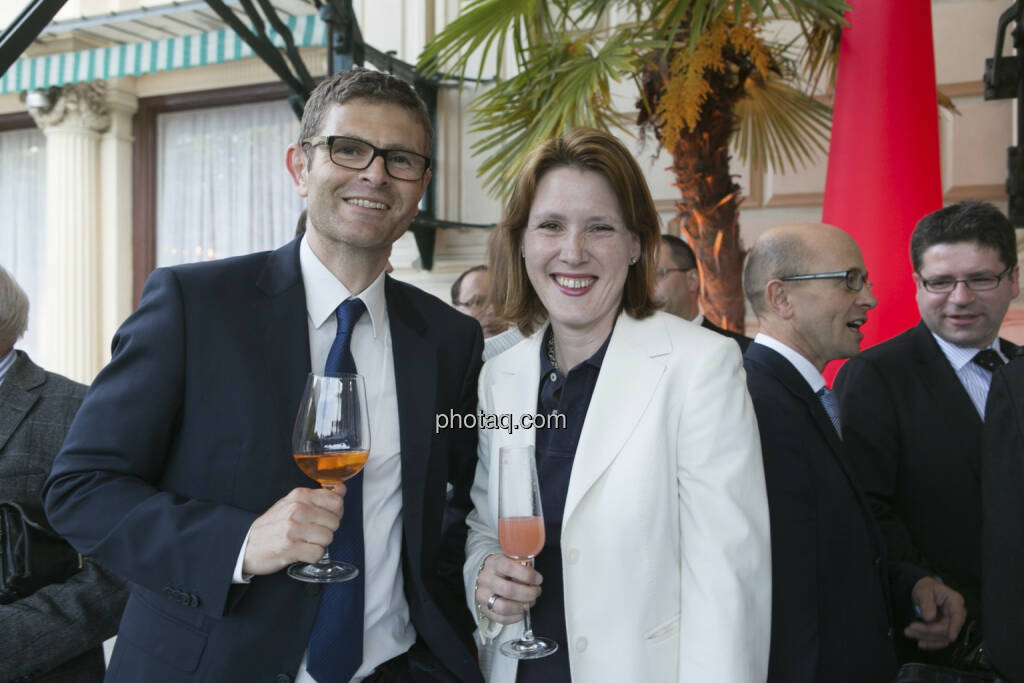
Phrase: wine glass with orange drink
x=330 y=443
x=521 y=534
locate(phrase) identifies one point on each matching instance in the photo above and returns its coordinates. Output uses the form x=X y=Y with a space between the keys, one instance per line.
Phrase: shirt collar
x=959 y=356
x=806 y=369
x=699 y=320
x=324 y=292
x=6 y=361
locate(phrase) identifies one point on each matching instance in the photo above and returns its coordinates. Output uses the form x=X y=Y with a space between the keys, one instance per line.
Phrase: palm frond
x=564 y=86
x=474 y=32
x=780 y=126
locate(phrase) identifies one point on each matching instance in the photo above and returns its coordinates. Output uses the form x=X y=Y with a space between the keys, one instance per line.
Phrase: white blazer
x=665 y=545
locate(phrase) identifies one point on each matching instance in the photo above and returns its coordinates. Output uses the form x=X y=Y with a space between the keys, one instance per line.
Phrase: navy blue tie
x=336 y=642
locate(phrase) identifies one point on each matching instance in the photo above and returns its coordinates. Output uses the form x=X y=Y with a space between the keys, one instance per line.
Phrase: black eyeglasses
x=854 y=278
x=358 y=154
x=945 y=285
x=474 y=304
x=663 y=272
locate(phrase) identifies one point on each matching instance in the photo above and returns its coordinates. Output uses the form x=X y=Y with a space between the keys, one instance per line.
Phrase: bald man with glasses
x=836 y=600
x=913 y=407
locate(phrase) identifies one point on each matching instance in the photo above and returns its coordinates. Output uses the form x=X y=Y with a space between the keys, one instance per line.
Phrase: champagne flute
x=330 y=443
x=521 y=534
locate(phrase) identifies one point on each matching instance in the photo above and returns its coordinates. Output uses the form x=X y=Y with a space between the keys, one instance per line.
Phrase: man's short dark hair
x=966 y=221
x=358 y=83
x=680 y=252
x=457 y=285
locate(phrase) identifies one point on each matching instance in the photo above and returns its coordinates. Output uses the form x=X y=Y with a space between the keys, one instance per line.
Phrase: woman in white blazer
x=656 y=562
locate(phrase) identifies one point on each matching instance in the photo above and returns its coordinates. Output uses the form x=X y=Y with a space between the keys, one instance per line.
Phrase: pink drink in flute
x=521 y=534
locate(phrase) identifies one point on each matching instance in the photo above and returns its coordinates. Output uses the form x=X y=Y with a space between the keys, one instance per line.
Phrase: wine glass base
x=529 y=649
x=332 y=572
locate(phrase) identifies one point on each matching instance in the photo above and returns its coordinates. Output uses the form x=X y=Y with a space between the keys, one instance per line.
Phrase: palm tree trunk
x=709 y=212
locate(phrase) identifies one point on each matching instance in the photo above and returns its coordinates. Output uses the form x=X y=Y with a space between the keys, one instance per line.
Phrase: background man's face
x=964 y=317
x=472 y=300
x=678 y=291
x=827 y=314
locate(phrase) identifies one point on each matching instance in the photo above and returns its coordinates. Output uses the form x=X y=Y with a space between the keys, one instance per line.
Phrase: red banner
x=883 y=164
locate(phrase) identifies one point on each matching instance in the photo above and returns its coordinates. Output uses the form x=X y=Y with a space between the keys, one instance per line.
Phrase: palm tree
x=706 y=76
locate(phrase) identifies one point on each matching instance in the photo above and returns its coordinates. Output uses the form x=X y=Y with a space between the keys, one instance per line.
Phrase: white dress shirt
x=803 y=366
x=387 y=629
x=974 y=378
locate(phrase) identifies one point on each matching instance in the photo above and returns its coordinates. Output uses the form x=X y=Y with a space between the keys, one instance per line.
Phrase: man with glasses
x=469 y=295
x=913 y=407
x=178 y=471
x=835 y=598
x=678 y=286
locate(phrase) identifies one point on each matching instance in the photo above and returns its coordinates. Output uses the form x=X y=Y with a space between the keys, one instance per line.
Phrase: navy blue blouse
x=569 y=395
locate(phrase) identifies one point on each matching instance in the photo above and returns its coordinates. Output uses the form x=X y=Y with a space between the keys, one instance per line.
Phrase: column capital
x=79 y=105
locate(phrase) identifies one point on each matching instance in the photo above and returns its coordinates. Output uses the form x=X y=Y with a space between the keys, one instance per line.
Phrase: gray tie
x=828 y=401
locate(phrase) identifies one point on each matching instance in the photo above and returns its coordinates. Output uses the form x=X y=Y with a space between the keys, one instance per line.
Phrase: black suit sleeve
x=792 y=506
x=871 y=435
x=1002 y=480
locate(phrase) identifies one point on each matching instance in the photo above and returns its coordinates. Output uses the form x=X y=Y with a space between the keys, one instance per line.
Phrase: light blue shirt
x=974 y=378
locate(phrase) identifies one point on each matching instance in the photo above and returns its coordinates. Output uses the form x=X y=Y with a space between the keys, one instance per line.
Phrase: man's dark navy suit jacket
x=185 y=438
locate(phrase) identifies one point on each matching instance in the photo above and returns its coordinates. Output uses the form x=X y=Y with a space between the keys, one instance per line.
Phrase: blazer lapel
x=515 y=388
x=280 y=318
x=628 y=381
x=949 y=399
x=794 y=382
x=17 y=396
x=415 y=358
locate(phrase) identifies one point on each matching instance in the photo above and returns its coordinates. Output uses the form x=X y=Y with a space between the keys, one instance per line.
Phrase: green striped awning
x=135 y=59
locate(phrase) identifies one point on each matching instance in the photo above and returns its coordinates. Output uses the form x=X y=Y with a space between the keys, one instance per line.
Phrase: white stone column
x=116 y=210
x=70 y=316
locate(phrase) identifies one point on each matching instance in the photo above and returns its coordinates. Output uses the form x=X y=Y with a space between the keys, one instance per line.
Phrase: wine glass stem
x=527 y=625
x=325 y=559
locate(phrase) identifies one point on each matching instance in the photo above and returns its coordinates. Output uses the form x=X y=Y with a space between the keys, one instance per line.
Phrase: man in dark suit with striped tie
x=178 y=469
x=835 y=598
x=913 y=407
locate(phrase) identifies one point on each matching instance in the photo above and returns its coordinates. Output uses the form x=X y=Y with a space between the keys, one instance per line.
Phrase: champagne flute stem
x=527 y=625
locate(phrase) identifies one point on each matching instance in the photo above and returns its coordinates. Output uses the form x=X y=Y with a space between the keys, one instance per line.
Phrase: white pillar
x=116 y=210
x=71 y=312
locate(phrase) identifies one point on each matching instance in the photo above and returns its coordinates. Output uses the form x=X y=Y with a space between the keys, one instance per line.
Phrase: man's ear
x=693 y=280
x=298 y=167
x=776 y=297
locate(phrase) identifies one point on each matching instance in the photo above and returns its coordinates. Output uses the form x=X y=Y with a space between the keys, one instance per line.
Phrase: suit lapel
x=948 y=398
x=790 y=377
x=17 y=395
x=280 y=318
x=415 y=359
x=627 y=382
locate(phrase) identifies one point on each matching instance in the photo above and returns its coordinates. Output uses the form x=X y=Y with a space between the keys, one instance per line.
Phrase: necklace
x=551 y=351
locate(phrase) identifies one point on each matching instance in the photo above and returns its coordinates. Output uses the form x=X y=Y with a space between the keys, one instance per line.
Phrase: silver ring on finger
x=491 y=600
